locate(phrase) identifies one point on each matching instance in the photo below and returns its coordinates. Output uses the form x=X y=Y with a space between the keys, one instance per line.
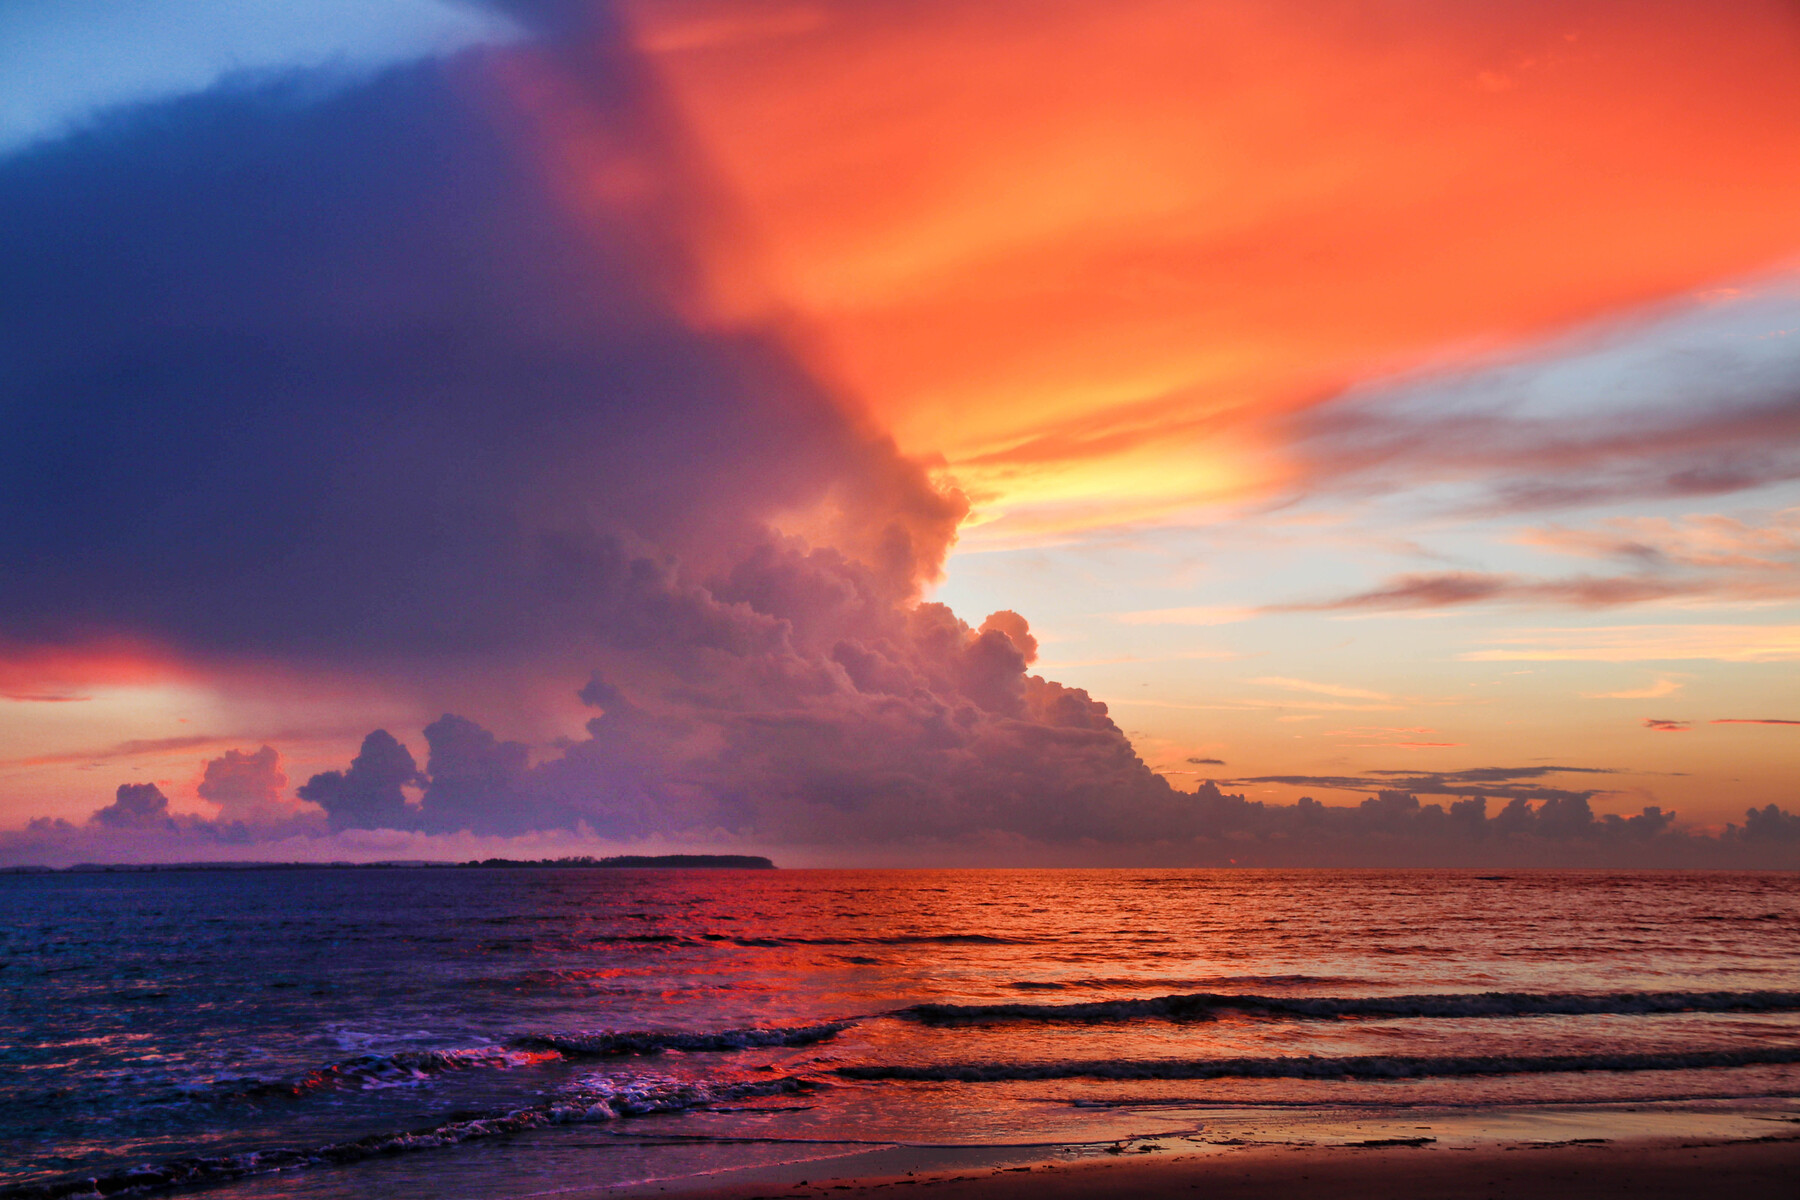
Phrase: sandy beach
x=1661 y=1170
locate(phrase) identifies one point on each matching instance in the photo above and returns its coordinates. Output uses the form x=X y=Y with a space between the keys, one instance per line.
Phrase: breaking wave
x=1138 y=983
x=1200 y=1006
x=408 y=1067
x=1314 y=1067
x=603 y=1044
x=369 y=1071
x=593 y=1098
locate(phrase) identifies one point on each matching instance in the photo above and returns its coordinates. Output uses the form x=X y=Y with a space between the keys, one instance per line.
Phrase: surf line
x=722 y=1139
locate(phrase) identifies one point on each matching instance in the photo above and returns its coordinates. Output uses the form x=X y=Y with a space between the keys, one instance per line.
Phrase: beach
x=1657 y=1170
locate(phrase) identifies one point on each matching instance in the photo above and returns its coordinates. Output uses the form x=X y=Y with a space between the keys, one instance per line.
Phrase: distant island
x=727 y=862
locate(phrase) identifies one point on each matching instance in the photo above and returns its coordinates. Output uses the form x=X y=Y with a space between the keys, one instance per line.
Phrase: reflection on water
x=213 y=1023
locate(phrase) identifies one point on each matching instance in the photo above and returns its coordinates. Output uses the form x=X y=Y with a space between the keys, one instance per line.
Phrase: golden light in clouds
x=1067 y=245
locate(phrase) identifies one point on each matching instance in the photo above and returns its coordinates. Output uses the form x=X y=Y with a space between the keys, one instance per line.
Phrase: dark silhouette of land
x=732 y=862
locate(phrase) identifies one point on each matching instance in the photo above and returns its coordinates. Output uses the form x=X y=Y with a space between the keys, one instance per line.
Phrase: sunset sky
x=1346 y=395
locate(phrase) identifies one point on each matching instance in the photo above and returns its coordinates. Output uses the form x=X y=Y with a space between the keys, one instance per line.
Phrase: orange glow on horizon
x=50 y=674
x=1064 y=245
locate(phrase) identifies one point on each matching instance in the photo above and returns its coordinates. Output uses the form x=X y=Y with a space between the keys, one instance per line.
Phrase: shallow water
x=211 y=1025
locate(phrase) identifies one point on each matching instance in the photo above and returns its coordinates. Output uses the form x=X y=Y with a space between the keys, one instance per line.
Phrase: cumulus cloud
x=136 y=806
x=1536 y=824
x=473 y=779
x=1770 y=824
x=247 y=787
x=371 y=794
x=1558 y=816
x=491 y=431
x=798 y=703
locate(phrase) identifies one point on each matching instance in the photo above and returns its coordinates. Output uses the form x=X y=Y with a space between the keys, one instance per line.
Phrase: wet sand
x=1765 y=1169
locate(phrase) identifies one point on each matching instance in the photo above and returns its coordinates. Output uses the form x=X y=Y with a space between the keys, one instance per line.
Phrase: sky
x=901 y=431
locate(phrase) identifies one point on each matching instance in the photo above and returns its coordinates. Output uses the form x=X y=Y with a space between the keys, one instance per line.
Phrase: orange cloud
x=1077 y=247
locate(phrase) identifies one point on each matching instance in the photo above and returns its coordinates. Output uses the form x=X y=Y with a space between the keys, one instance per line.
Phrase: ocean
x=508 y=1032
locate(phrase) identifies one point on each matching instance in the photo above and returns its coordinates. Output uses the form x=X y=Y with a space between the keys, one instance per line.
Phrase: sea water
x=450 y=1032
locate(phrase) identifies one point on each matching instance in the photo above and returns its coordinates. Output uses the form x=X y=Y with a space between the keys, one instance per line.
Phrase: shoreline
x=1763 y=1168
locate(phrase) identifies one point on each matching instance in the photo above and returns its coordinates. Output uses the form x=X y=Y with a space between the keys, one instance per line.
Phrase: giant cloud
x=416 y=376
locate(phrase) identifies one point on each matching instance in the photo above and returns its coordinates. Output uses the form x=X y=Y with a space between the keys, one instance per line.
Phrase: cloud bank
x=477 y=798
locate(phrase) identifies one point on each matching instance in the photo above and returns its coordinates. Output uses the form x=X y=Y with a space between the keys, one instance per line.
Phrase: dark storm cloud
x=340 y=377
x=354 y=379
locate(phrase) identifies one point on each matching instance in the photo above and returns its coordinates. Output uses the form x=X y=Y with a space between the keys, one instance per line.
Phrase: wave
x=369 y=1071
x=1200 y=1006
x=1314 y=1067
x=593 y=1098
x=606 y=1044
x=408 y=1067
x=1138 y=983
